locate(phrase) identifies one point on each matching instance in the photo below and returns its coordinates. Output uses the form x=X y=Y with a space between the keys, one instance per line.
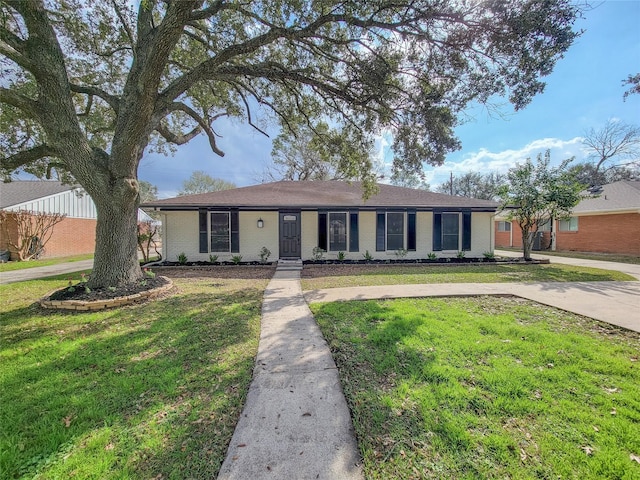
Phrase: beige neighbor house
x=606 y=222
x=292 y=218
x=74 y=235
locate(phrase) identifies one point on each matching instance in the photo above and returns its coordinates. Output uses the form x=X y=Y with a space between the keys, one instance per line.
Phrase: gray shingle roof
x=20 y=191
x=618 y=196
x=319 y=194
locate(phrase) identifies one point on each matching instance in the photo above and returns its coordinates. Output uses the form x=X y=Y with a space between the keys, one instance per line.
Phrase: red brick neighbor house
x=608 y=222
x=74 y=235
x=295 y=219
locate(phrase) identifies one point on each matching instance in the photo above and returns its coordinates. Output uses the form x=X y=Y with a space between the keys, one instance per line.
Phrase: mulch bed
x=79 y=292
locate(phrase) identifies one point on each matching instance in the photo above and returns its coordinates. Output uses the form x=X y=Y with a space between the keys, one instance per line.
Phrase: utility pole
x=451 y=183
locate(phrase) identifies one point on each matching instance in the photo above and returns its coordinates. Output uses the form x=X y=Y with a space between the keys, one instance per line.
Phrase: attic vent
x=596 y=189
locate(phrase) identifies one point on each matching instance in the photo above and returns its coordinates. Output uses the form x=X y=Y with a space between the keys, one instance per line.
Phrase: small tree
x=202 y=182
x=147 y=235
x=32 y=231
x=537 y=193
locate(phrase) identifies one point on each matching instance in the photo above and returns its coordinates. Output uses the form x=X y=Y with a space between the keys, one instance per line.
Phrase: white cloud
x=485 y=161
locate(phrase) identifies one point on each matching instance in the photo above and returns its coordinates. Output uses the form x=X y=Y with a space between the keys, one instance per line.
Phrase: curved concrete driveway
x=617 y=303
x=48 y=271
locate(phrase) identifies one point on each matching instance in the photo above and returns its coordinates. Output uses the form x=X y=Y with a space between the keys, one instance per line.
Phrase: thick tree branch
x=112 y=100
x=178 y=106
x=28 y=106
x=171 y=137
x=24 y=157
x=208 y=12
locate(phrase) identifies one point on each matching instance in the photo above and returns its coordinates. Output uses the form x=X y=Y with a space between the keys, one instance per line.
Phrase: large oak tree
x=88 y=86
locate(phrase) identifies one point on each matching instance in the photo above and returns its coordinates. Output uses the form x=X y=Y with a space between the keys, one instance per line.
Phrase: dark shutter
x=354 y=243
x=380 y=232
x=322 y=230
x=466 y=230
x=437 y=231
x=235 y=232
x=411 y=231
x=202 y=222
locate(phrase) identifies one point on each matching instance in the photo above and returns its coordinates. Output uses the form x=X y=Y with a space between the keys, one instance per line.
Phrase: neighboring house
x=292 y=218
x=607 y=222
x=74 y=235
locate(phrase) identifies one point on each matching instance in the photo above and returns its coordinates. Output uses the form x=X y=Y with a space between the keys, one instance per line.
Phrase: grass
x=486 y=388
x=12 y=266
x=147 y=391
x=607 y=257
x=334 y=277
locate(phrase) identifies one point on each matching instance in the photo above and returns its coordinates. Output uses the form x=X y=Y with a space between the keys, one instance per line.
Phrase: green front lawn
x=486 y=388
x=147 y=391
x=13 y=265
x=335 y=276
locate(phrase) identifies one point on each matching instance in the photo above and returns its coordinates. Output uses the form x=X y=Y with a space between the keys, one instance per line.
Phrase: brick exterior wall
x=619 y=233
x=615 y=233
x=72 y=236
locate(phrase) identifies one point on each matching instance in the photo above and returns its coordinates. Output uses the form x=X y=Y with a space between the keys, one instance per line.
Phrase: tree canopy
x=89 y=86
x=474 y=185
x=537 y=193
x=202 y=182
x=319 y=153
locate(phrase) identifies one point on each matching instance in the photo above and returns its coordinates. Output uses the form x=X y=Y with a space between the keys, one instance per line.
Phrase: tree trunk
x=527 y=243
x=116 y=255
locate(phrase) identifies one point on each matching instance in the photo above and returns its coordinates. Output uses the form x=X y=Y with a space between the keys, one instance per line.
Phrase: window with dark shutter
x=437 y=231
x=466 y=231
x=322 y=230
x=220 y=238
x=235 y=232
x=354 y=243
x=202 y=222
x=380 y=232
x=411 y=231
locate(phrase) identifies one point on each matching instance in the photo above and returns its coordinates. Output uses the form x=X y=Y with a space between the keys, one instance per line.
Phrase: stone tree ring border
x=81 y=305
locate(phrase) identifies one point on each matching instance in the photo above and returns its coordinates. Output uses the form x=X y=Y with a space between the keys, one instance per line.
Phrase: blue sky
x=584 y=91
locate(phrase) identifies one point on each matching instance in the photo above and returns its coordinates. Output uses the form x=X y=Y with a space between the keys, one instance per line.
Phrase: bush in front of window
x=401 y=252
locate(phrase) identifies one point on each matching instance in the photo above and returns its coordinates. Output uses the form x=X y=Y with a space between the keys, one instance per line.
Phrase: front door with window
x=290 y=234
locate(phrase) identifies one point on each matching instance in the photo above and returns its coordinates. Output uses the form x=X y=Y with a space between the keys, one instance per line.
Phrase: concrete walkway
x=295 y=423
x=48 y=271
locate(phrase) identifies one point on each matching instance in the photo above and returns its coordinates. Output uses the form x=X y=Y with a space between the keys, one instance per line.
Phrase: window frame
x=403 y=234
x=502 y=226
x=210 y=224
x=567 y=224
x=458 y=234
x=347 y=230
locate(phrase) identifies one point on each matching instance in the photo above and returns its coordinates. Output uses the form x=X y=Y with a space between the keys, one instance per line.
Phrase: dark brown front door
x=290 y=234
